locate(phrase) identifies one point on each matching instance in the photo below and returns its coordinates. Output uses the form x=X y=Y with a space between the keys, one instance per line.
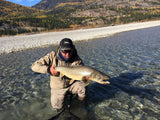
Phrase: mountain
x=83 y=4
x=9 y=9
x=103 y=12
x=50 y=4
x=16 y=19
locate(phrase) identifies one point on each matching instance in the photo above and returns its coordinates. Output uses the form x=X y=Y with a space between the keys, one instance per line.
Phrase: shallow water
x=132 y=59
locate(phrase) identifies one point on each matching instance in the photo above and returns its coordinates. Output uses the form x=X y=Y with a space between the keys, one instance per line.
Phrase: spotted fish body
x=83 y=73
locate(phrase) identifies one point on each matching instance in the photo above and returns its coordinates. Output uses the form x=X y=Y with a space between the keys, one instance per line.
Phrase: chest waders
x=66 y=108
x=67 y=105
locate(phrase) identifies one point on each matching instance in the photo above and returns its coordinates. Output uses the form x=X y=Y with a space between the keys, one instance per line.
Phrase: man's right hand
x=53 y=71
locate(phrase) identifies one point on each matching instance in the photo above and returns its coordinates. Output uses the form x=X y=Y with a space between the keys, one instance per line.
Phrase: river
x=131 y=59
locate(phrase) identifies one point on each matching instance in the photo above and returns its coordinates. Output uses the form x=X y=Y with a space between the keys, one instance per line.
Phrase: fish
x=83 y=73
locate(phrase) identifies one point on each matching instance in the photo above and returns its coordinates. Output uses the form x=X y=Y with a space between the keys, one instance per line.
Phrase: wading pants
x=58 y=95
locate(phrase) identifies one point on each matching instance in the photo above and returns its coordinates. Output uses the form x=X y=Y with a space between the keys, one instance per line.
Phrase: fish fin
x=104 y=82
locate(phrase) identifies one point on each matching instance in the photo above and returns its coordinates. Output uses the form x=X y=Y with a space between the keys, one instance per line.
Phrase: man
x=66 y=55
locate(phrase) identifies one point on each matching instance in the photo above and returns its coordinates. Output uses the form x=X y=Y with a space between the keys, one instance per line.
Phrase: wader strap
x=64 y=85
x=56 y=62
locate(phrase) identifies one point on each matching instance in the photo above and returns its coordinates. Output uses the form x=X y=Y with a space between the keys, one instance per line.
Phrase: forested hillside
x=83 y=4
x=14 y=10
x=74 y=14
x=11 y=16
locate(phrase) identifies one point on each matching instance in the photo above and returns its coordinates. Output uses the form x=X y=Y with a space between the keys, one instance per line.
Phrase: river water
x=131 y=59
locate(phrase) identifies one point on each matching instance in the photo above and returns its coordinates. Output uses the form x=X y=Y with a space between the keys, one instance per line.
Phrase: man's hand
x=53 y=71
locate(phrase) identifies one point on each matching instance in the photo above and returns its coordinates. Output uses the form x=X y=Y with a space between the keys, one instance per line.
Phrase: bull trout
x=83 y=73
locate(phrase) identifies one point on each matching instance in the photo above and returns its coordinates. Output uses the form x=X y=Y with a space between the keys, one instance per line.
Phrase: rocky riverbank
x=20 y=42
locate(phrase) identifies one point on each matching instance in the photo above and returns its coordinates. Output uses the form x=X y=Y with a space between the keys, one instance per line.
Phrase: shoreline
x=16 y=43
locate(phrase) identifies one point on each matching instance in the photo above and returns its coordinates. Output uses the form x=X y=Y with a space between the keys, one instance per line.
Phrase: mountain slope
x=103 y=12
x=50 y=4
x=12 y=9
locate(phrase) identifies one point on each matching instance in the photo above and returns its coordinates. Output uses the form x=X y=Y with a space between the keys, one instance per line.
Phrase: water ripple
x=131 y=59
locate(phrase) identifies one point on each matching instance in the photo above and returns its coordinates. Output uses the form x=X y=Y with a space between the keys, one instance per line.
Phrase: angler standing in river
x=66 y=55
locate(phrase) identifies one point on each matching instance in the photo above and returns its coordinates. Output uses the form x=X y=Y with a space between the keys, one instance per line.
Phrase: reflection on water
x=132 y=59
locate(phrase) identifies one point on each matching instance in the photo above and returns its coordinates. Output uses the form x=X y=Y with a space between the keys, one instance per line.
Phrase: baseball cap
x=66 y=44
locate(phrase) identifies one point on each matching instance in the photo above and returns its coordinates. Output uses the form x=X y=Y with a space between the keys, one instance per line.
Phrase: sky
x=28 y=3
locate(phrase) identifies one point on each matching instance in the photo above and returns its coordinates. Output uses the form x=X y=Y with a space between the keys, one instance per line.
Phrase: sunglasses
x=66 y=51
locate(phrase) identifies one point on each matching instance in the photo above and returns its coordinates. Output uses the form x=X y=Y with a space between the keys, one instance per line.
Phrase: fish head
x=99 y=77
